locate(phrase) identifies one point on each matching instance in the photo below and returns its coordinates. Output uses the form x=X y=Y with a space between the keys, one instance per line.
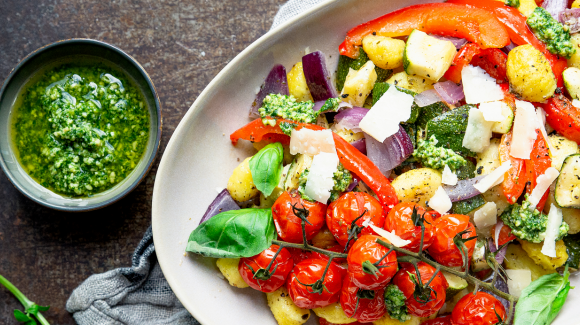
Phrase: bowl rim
x=181 y=128
x=152 y=157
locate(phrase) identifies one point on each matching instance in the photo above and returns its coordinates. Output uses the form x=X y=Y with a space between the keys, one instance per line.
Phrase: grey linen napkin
x=140 y=295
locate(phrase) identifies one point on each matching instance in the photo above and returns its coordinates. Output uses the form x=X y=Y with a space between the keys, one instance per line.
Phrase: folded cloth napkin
x=140 y=295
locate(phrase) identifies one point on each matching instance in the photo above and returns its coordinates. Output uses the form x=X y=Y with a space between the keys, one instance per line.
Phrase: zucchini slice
x=567 y=193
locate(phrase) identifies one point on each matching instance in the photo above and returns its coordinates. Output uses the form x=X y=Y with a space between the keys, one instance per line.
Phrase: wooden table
x=182 y=44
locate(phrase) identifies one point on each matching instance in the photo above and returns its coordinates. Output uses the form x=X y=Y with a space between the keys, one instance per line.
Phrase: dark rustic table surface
x=182 y=44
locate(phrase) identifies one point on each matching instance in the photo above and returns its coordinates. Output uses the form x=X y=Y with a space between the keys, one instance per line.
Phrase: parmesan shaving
x=440 y=201
x=448 y=177
x=311 y=142
x=478 y=86
x=320 y=174
x=486 y=216
x=524 y=131
x=543 y=183
x=552 y=231
x=390 y=236
x=518 y=280
x=494 y=178
x=383 y=119
x=493 y=111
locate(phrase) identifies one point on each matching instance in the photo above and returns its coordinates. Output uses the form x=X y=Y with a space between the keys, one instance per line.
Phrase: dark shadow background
x=182 y=45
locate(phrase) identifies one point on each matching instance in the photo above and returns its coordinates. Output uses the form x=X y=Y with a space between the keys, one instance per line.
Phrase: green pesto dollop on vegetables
x=342 y=179
x=81 y=129
x=286 y=107
x=529 y=225
x=437 y=157
x=395 y=303
x=551 y=32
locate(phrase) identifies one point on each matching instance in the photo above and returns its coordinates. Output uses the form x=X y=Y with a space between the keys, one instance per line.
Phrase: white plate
x=200 y=158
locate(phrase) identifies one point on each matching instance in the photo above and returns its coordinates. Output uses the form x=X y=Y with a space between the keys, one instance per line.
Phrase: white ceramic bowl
x=200 y=158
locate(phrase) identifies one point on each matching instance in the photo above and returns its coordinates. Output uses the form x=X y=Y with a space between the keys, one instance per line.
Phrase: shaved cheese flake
x=448 y=177
x=320 y=174
x=494 y=178
x=524 y=132
x=311 y=142
x=541 y=117
x=390 y=236
x=486 y=216
x=576 y=103
x=478 y=86
x=493 y=111
x=518 y=280
x=440 y=201
x=478 y=131
x=552 y=231
x=543 y=183
x=383 y=119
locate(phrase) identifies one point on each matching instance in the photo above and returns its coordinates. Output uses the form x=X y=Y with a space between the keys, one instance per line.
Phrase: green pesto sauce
x=286 y=107
x=529 y=225
x=80 y=129
x=395 y=303
x=551 y=32
x=437 y=157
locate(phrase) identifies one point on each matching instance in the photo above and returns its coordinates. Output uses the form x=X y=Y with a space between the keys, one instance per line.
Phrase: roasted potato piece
x=385 y=52
x=530 y=74
x=417 y=185
x=349 y=135
x=574 y=60
x=527 y=7
x=297 y=83
x=333 y=313
x=229 y=269
x=241 y=185
x=359 y=84
x=284 y=310
x=534 y=251
x=517 y=259
x=387 y=320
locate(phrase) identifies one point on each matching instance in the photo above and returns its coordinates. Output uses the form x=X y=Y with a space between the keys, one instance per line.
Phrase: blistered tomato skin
x=477 y=309
x=288 y=225
x=367 y=251
x=400 y=221
x=281 y=268
x=443 y=249
x=438 y=285
x=308 y=272
x=368 y=310
x=445 y=320
x=342 y=212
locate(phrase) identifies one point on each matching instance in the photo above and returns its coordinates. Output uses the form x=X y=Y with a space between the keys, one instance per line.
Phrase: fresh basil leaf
x=541 y=301
x=266 y=167
x=234 y=234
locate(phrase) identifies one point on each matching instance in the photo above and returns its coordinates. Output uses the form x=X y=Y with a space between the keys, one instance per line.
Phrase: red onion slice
x=349 y=119
x=317 y=76
x=458 y=42
x=463 y=190
x=360 y=145
x=223 y=202
x=451 y=92
x=501 y=254
x=391 y=152
x=508 y=48
x=555 y=7
x=275 y=83
x=571 y=18
x=427 y=97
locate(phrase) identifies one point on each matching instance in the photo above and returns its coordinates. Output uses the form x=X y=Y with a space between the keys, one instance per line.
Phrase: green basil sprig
x=541 y=301
x=266 y=167
x=234 y=234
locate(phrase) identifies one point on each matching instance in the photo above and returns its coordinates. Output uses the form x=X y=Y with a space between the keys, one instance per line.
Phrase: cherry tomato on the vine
x=505 y=234
x=299 y=255
x=363 y=256
x=444 y=320
x=288 y=225
x=478 y=309
x=400 y=220
x=305 y=287
x=428 y=300
x=342 y=212
x=443 y=249
x=255 y=272
x=337 y=249
x=362 y=305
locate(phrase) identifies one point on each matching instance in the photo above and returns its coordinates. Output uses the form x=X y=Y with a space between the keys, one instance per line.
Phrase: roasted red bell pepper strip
x=352 y=159
x=518 y=31
x=515 y=179
x=563 y=117
x=476 y=25
x=537 y=164
x=493 y=61
x=505 y=234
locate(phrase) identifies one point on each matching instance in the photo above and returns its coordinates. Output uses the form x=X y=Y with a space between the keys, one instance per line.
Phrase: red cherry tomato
x=505 y=234
x=477 y=309
x=433 y=299
x=361 y=263
x=252 y=269
x=308 y=272
x=362 y=305
x=400 y=221
x=443 y=249
x=444 y=320
x=299 y=255
x=288 y=225
x=336 y=248
x=342 y=212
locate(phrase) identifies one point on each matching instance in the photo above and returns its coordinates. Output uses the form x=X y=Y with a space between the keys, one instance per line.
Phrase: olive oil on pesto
x=80 y=129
